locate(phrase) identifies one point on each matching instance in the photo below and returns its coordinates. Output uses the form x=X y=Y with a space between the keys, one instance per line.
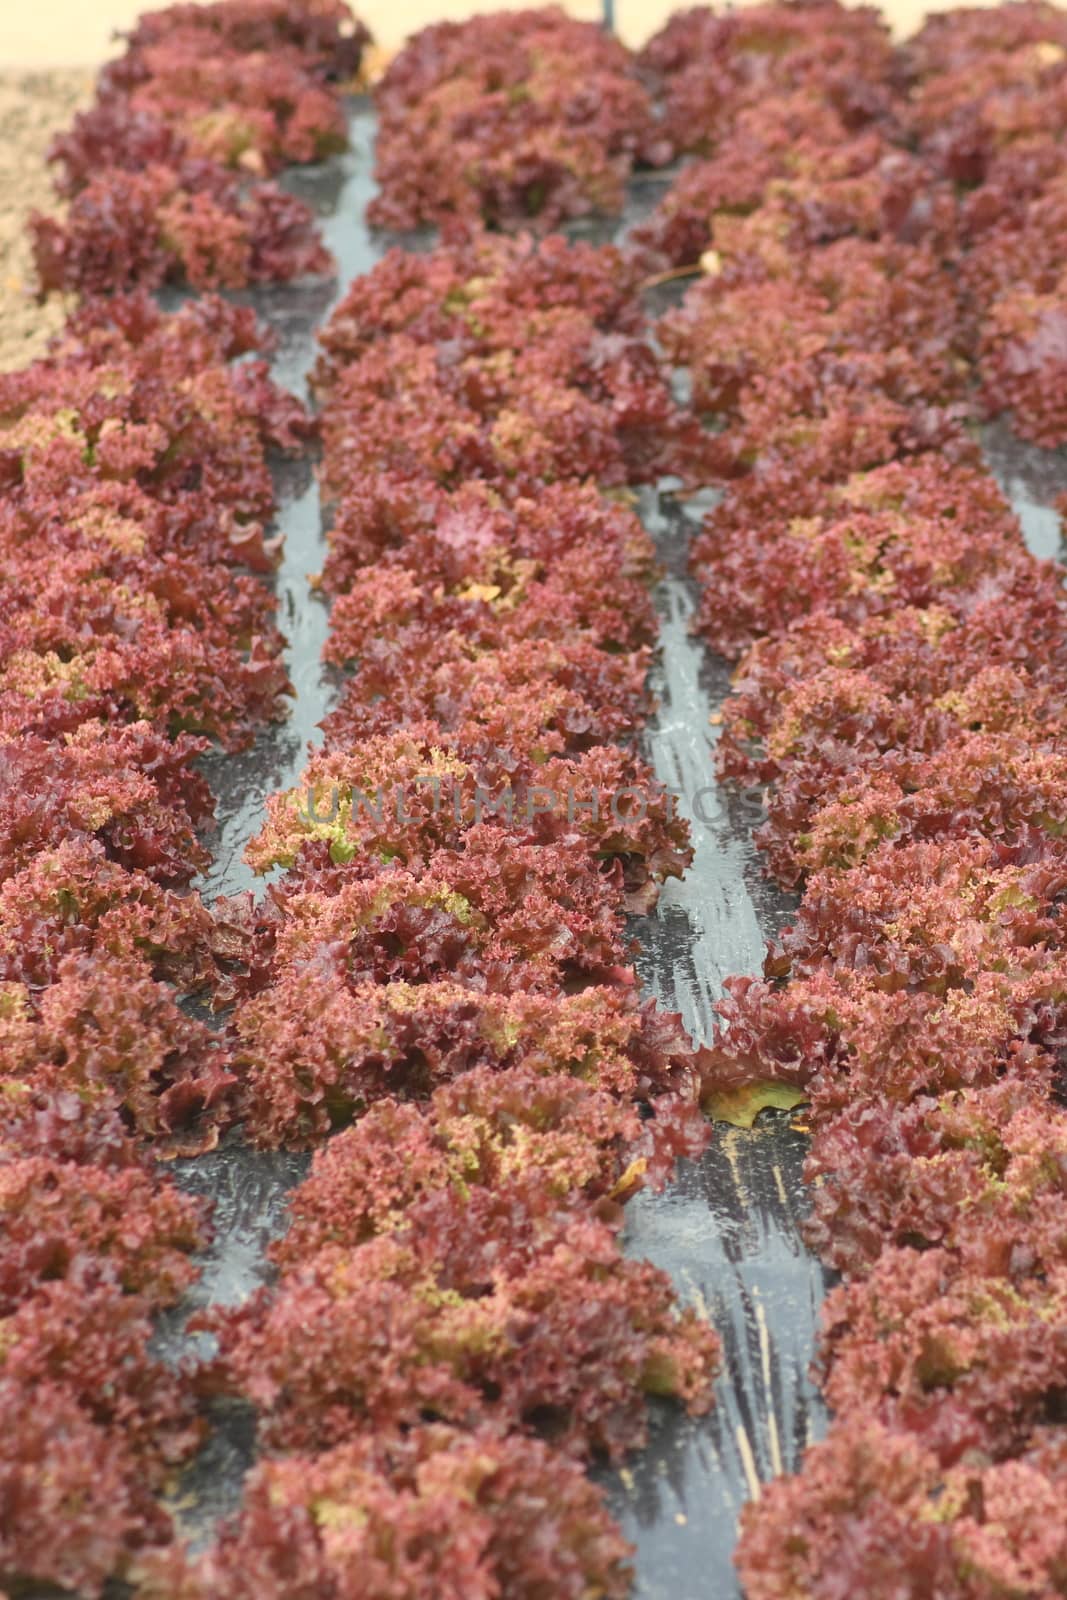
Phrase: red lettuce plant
x=875 y=1509
x=193 y=224
x=89 y=1225
x=432 y=1512
x=138 y=468
x=481 y=1295
x=328 y=38
x=513 y=119
x=316 y=1049
x=708 y=66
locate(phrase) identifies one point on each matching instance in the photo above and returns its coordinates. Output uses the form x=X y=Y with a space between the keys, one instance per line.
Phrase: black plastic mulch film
x=727 y=1229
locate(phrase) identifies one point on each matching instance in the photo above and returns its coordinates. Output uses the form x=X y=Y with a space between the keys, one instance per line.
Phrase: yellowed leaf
x=742 y=1106
x=635 y=1171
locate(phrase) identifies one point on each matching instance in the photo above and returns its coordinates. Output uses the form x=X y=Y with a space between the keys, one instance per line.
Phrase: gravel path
x=33 y=107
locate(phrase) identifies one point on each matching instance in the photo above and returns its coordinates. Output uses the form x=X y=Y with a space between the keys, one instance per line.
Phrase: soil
x=34 y=106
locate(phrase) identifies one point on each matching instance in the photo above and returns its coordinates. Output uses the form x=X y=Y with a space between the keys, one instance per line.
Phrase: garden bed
x=473 y=1232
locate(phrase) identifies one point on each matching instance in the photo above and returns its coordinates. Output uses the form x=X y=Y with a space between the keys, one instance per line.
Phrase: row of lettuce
x=136 y=628
x=880 y=266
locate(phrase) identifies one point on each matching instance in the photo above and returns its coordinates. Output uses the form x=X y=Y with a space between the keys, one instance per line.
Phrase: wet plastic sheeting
x=339 y=191
x=727 y=1232
x=1032 y=479
x=248 y=1187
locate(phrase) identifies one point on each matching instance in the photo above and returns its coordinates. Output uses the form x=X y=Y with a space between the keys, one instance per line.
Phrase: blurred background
x=37 y=33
